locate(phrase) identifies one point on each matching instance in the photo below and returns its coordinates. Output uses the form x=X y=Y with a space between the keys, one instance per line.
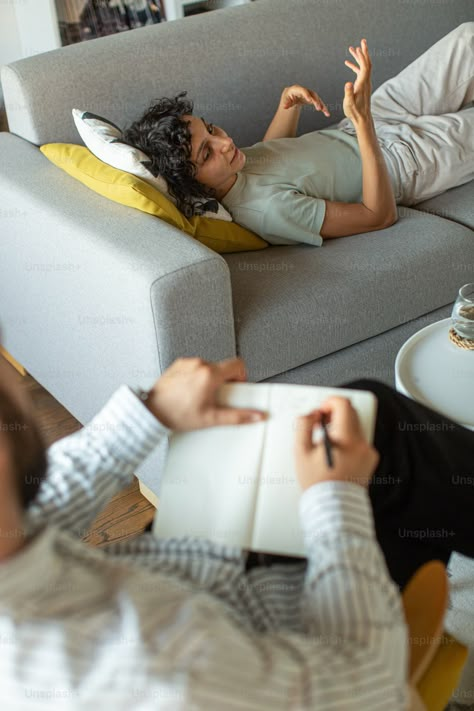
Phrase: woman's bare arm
x=377 y=190
x=378 y=208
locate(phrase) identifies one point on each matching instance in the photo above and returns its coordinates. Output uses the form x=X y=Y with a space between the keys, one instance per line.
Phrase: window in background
x=87 y=19
x=175 y=9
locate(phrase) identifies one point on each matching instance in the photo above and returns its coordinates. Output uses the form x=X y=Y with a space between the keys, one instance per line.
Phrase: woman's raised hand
x=298 y=95
x=357 y=95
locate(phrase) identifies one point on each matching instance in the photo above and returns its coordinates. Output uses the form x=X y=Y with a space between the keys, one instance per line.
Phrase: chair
x=436 y=658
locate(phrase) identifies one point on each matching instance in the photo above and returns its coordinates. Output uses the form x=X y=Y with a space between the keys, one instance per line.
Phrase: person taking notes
x=185 y=623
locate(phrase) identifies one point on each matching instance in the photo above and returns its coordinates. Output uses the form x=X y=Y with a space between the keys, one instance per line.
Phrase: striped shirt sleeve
x=353 y=654
x=87 y=468
x=349 y=598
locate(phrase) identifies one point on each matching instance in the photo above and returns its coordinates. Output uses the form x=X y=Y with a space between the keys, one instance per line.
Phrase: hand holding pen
x=343 y=454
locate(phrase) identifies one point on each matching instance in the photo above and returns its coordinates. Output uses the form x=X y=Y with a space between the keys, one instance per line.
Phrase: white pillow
x=105 y=140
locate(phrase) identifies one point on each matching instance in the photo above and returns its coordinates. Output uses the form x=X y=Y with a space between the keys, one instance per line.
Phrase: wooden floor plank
x=128 y=512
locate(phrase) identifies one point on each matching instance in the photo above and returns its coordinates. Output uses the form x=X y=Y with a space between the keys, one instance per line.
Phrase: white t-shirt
x=281 y=191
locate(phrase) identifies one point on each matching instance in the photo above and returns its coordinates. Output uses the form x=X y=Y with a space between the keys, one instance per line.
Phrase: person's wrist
x=295 y=109
x=150 y=400
x=364 y=123
x=153 y=404
x=358 y=479
x=284 y=98
x=141 y=394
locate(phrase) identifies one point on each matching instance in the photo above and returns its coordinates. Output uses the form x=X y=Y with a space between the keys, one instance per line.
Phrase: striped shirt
x=180 y=624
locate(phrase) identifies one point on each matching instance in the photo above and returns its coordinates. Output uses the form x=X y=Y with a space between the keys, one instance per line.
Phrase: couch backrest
x=234 y=63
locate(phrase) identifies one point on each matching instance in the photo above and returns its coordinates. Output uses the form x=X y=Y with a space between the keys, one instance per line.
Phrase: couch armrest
x=94 y=294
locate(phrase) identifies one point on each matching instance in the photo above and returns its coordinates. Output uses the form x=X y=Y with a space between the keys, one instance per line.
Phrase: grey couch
x=93 y=294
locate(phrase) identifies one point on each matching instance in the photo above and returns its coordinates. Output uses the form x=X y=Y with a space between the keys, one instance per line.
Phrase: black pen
x=327 y=442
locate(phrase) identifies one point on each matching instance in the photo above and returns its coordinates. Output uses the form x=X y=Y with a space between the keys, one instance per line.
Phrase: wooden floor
x=128 y=512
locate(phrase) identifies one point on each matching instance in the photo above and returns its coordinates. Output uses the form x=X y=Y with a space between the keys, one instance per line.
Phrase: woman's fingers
x=312 y=98
x=301 y=95
x=365 y=51
x=358 y=59
x=318 y=103
x=361 y=54
x=363 y=67
x=352 y=66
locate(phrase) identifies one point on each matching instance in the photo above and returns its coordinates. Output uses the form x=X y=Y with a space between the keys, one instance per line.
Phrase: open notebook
x=237 y=485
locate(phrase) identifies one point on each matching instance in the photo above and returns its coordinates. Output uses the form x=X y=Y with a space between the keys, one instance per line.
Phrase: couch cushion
x=295 y=304
x=456 y=204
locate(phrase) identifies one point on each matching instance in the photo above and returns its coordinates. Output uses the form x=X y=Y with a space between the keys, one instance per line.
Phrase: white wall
x=37 y=23
x=10 y=45
x=27 y=27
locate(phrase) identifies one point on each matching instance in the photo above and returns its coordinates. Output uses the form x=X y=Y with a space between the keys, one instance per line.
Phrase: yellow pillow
x=126 y=189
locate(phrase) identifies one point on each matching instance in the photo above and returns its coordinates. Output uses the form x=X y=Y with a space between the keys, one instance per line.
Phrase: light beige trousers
x=423 y=121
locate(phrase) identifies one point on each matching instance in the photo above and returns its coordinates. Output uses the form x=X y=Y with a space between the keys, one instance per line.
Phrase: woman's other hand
x=357 y=95
x=297 y=95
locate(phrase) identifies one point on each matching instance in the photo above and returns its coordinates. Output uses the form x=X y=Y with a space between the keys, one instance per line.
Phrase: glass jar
x=463 y=312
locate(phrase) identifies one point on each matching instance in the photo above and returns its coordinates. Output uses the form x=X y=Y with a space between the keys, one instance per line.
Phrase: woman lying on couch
x=407 y=142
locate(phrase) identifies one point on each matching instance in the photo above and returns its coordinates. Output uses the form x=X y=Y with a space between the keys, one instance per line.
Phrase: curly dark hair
x=166 y=139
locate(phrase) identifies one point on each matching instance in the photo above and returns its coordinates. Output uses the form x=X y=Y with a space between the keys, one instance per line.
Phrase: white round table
x=432 y=370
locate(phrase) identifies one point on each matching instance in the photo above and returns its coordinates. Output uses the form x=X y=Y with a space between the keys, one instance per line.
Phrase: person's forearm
x=349 y=599
x=284 y=123
x=87 y=468
x=377 y=190
x=353 y=646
